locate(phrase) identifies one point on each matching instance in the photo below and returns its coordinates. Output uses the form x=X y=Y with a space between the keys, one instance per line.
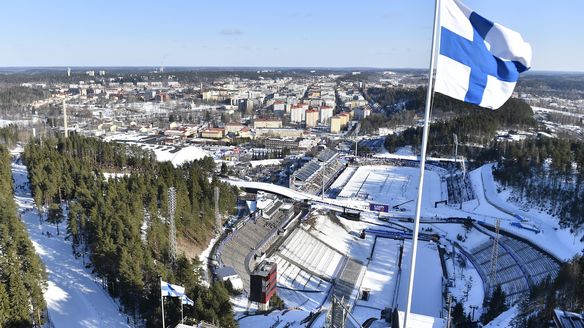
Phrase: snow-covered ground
x=184 y=155
x=265 y=162
x=427 y=297
x=392 y=185
x=274 y=319
x=559 y=242
x=384 y=280
x=504 y=320
x=74 y=296
x=204 y=257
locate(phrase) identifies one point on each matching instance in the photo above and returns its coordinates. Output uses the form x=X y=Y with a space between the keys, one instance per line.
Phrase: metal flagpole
x=182 y=317
x=422 y=163
x=162 y=303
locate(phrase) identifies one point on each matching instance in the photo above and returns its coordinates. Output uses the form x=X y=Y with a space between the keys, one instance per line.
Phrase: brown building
x=213 y=133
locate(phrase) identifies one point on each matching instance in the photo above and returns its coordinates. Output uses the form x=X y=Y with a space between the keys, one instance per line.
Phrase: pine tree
x=4 y=306
x=495 y=305
x=55 y=215
x=19 y=297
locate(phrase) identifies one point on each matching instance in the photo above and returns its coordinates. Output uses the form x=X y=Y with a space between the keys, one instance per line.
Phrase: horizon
x=378 y=34
x=177 y=67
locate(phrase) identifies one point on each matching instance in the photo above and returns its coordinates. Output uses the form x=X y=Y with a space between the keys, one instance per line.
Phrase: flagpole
x=182 y=317
x=422 y=164
x=162 y=303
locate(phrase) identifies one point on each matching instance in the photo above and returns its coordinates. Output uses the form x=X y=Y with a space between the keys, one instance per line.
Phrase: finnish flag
x=479 y=61
x=170 y=290
x=186 y=301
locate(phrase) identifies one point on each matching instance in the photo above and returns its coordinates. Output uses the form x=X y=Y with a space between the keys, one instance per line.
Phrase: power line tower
x=172 y=227
x=217 y=214
x=65 y=119
x=495 y=255
x=146 y=221
x=455 y=136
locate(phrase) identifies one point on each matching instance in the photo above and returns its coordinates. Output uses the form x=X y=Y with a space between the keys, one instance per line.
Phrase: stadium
x=326 y=258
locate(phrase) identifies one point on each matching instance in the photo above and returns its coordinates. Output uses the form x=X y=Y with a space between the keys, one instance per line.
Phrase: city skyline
x=379 y=34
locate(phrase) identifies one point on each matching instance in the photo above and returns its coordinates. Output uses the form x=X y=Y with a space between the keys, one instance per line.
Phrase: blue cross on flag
x=170 y=290
x=186 y=301
x=479 y=61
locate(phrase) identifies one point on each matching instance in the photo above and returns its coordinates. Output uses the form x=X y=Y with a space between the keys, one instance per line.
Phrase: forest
x=565 y=292
x=14 y=98
x=119 y=222
x=474 y=125
x=547 y=173
x=22 y=274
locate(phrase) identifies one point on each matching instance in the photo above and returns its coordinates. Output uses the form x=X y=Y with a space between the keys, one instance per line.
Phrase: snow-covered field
x=74 y=296
x=392 y=185
x=184 y=155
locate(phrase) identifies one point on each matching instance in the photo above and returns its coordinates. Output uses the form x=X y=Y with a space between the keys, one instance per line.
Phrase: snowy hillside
x=74 y=296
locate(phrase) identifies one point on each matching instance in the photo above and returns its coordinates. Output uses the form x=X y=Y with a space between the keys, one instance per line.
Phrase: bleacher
x=325 y=166
x=326 y=155
x=247 y=239
x=519 y=266
x=459 y=189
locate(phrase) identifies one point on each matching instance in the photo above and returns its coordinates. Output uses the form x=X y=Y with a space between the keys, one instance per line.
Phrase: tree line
x=15 y=97
x=120 y=224
x=403 y=107
x=547 y=172
x=22 y=274
x=475 y=125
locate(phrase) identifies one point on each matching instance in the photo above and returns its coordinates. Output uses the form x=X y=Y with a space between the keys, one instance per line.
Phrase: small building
x=267 y=123
x=233 y=127
x=281 y=143
x=279 y=106
x=228 y=274
x=213 y=133
x=279 y=133
x=263 y=282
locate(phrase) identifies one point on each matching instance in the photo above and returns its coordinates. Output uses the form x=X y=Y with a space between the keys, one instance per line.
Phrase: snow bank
x=74 y=296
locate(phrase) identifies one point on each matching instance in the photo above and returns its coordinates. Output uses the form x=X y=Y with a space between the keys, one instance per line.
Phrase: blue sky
x=368 y=33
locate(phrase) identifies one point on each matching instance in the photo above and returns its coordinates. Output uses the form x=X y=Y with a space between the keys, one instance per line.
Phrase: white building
x=326 y=112
x=298 y=114
x=279 y=106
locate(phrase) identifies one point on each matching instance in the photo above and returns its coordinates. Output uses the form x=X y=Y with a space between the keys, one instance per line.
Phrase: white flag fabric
x=186 y=301
x=170 y=290
x=479 y=61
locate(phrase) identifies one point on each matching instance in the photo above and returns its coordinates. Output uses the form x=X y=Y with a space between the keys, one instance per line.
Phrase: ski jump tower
x=172 y=227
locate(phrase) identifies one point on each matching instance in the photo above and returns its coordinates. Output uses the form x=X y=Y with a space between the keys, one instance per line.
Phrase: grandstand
x=459 y=189
x=240 y=248
x=326 y=166
x=519 y=266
